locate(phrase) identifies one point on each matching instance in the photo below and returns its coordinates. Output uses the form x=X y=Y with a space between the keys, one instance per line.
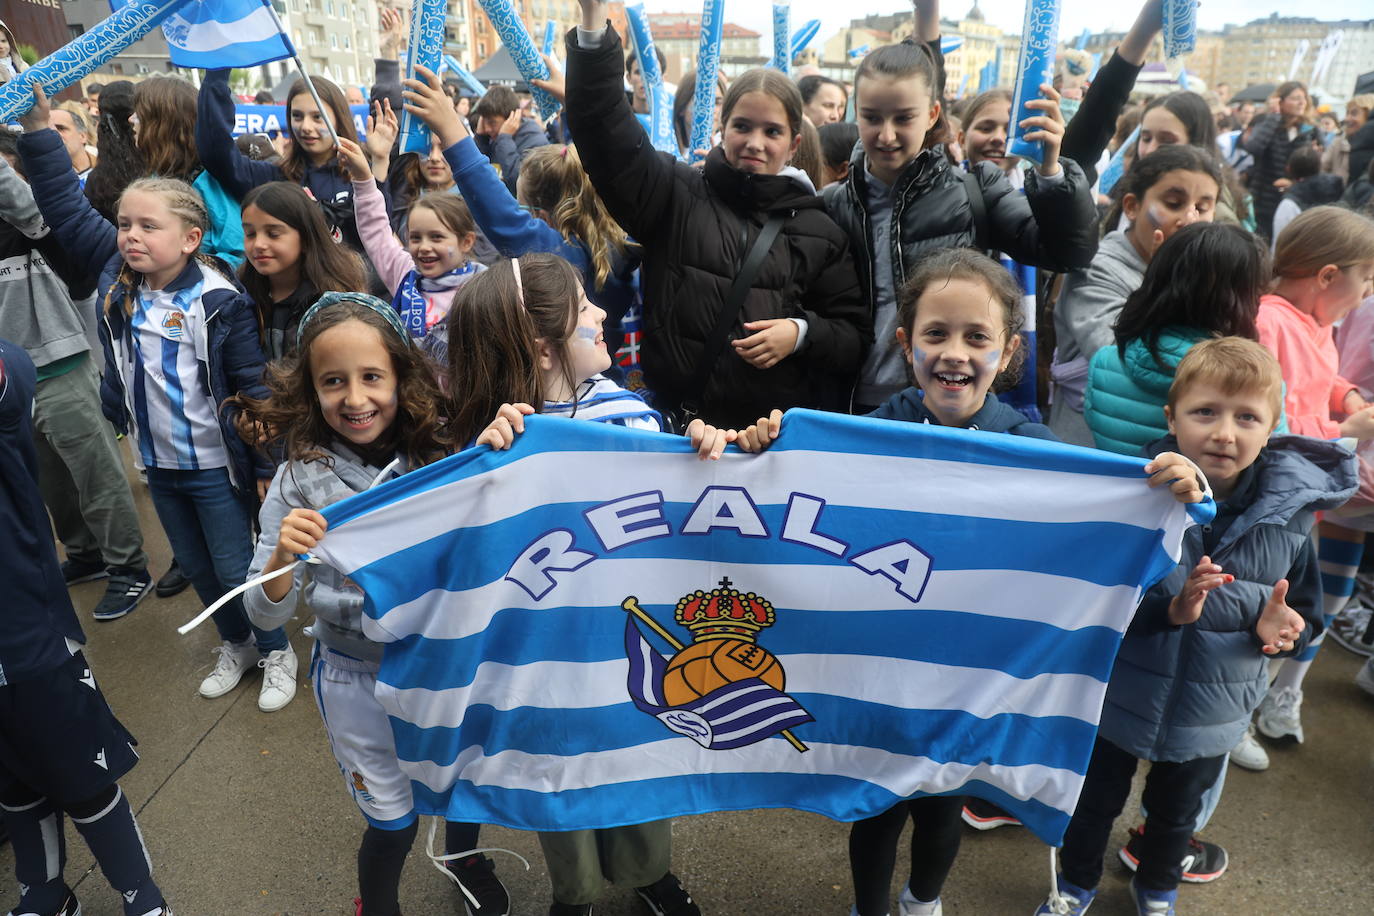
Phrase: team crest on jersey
x=724 y=690
x=174 y=324
x=360 y=787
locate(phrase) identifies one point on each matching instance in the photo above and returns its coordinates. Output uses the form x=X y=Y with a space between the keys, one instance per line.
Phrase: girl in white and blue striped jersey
x=354 y=405
x=180 y=338
x=958 y=324
x=524 y=334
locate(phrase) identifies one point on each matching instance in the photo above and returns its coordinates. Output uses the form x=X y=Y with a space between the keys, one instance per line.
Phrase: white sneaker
x=1248 y=754
x=278 y=679
x=1364 y=678
x=234 y=662
x=1280 y=714
x=908 y=905
x=1349 y=626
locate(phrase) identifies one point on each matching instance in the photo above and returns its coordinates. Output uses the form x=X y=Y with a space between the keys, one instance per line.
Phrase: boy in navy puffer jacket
x=1193 y=666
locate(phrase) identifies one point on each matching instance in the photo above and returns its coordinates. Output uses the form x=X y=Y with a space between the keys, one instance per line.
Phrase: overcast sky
x=1077 y=14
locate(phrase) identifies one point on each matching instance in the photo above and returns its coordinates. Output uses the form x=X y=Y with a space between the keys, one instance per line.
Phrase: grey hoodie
x=336 y=602
x=1087 y=309
x=36 y=309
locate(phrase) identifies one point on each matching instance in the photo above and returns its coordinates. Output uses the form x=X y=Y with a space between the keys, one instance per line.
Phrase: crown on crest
x=724 y=612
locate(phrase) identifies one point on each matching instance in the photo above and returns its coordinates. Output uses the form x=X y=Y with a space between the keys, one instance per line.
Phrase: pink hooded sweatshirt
x=1307 y=355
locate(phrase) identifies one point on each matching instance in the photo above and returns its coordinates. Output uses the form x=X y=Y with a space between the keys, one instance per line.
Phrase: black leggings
x=935 y=840
x=381 y=856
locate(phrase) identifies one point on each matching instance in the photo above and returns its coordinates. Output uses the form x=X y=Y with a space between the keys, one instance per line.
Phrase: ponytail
x=554 y=181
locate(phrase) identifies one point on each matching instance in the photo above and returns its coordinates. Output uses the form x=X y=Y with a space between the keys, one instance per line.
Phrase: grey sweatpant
x=81 y=474
x=581 y=861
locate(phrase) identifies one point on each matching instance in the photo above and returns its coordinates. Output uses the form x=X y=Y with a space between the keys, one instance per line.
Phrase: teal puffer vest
x=1124 y=403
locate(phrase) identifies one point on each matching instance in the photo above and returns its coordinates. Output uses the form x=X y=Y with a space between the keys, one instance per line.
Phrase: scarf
x=410 y=301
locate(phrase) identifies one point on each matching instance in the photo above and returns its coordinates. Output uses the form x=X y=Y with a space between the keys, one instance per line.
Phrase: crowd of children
x=281 y=329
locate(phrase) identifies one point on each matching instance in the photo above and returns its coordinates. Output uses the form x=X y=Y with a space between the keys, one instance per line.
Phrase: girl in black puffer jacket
x=803 y=329
x=903 y=199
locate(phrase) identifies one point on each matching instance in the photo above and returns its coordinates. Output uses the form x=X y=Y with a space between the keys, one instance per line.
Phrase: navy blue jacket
x=231 y=355
x=36 y=617
x=993 y=417
x=238 y=174
x=1184 y=693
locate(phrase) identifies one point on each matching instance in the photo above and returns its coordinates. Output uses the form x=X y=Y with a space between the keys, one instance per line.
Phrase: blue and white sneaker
x=126 y=589
x=1153 y=903
x=1072 y=900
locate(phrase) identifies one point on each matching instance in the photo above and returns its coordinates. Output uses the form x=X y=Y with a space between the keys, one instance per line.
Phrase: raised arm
x=387 y=254
x=927 y=19
x=1053 y=226
x=87 y=235
x=634 y=181
x=1091 y=128
x=215 y=139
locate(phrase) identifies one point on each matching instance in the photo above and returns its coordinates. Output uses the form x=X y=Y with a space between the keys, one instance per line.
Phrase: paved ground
x=244 y=813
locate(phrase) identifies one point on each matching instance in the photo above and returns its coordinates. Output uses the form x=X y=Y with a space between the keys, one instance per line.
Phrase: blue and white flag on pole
x=594 y=628
x=219 y=34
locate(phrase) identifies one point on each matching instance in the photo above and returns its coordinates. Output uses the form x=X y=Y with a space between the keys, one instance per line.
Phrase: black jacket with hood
x=696 y=226
x=1052 y=226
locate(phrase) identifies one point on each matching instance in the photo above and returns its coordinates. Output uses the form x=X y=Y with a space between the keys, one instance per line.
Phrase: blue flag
x=594 y=628
x=218 y=34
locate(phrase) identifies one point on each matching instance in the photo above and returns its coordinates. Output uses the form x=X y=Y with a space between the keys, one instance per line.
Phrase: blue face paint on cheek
x=993 y=361
x=588 y=335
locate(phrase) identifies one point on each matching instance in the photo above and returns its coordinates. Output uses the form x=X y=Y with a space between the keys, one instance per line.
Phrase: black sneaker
x=126 y=589
x=570 y=909
x=984 y=815
x=173 y=581
x=70 y=907
x=74 y=572
x=667 y=897
x=477 y=875
x=1202 y=863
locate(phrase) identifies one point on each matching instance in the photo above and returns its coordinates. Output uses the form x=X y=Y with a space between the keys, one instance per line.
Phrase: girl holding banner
x=798 y=325
x=896 y=179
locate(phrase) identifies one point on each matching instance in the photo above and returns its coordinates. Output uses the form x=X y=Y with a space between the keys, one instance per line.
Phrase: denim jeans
x=211 y=533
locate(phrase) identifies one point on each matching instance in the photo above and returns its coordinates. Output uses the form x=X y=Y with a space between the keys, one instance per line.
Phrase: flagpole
x=300 y=68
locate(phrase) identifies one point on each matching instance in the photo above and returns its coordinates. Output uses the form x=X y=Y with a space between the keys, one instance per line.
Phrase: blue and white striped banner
x=218 y=34
x=94 y=48
x=594 y=628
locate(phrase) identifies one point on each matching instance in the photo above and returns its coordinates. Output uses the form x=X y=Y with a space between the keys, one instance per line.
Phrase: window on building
x=333 y=42
x=348 y=42
x=329 y=6
x=77 y=29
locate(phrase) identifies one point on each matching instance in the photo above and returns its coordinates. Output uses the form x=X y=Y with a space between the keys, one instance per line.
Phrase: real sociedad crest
x=724 y=690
